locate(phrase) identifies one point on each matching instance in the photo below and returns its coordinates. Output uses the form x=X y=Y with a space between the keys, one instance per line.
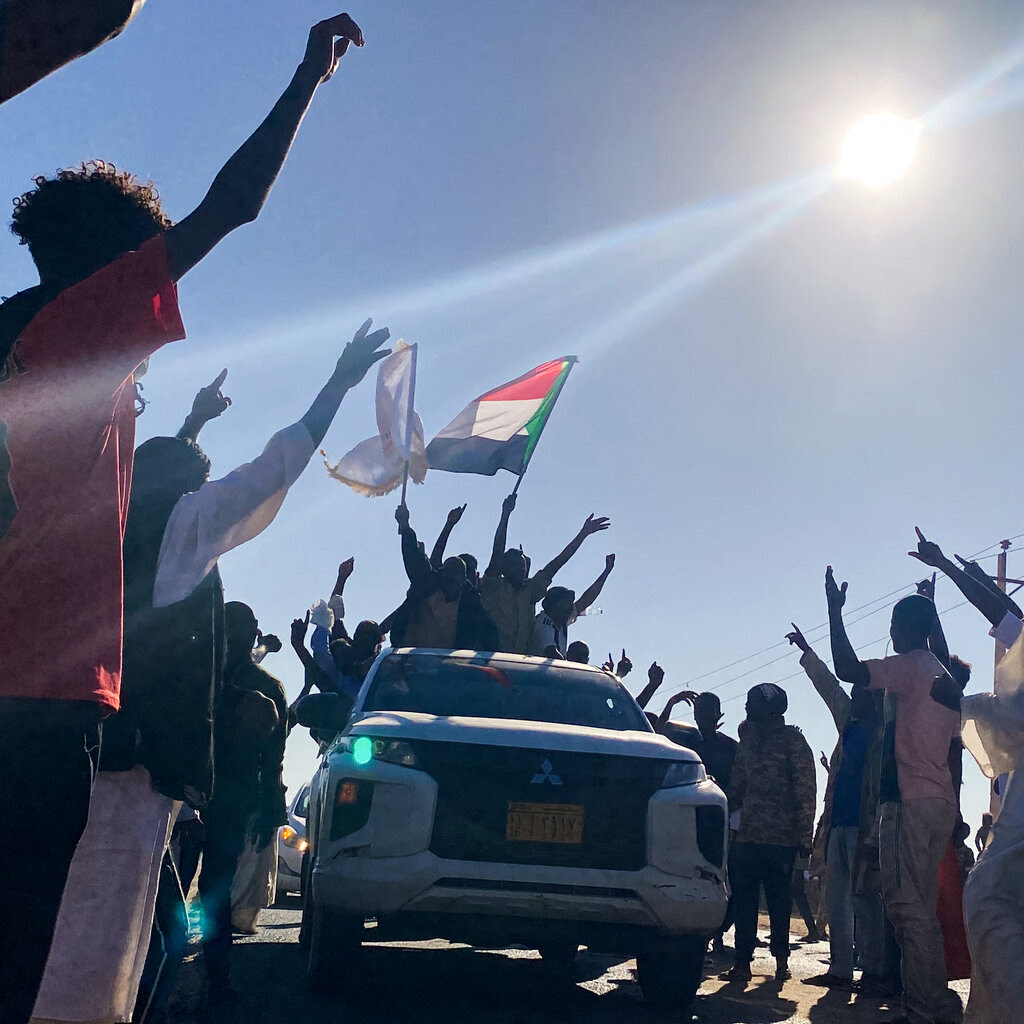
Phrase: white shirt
x=993 y=723
x=546 y=633
x=225 y=513
x=1008 y=630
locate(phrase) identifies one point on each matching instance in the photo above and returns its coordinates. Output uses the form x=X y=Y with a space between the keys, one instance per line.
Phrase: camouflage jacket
x=773 y=785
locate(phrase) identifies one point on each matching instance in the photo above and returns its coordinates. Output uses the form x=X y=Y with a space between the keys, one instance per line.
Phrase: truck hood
x=500 y=732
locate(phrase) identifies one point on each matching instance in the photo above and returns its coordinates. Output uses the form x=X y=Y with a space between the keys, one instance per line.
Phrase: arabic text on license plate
x=544 y=823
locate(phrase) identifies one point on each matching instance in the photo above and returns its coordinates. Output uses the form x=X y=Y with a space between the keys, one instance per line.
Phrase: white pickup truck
x=501 y=800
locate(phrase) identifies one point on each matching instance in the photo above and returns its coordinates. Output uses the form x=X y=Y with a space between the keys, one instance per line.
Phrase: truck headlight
x=683 y=773
x=369 y=748
x=293 y=839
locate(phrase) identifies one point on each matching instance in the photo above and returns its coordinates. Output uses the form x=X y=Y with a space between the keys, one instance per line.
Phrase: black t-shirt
x=718 y=753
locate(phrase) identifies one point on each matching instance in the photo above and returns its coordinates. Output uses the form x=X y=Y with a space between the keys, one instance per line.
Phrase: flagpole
x=519 y=480
x=410 y=420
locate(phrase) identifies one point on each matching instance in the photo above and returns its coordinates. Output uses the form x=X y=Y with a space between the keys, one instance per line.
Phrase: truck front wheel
x=671 y=968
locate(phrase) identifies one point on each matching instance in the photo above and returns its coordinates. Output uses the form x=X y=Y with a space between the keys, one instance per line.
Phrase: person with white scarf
x=179 y=525
x=992 y=727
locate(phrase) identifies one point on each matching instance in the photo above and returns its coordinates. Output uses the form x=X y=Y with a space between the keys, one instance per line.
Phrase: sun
x=879 y=150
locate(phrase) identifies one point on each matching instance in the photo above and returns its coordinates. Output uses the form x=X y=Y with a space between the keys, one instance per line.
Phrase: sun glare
x=879 y=149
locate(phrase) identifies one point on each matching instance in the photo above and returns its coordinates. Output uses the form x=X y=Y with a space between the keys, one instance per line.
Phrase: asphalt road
x=440 y=983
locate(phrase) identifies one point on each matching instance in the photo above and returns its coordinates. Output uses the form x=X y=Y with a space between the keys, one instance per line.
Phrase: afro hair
x=129 y=207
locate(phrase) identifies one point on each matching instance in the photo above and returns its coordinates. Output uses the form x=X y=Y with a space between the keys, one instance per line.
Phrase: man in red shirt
x=108 y=262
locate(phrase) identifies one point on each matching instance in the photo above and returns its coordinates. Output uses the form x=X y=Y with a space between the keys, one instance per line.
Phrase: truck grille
x=476 y=784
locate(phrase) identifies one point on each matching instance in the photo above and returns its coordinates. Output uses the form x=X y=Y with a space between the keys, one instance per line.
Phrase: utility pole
x=1001 y=583
x=995 y=800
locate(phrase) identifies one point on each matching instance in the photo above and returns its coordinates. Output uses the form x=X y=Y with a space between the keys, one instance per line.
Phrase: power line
x=862 y=647
x=814 y=629
x=977 y=556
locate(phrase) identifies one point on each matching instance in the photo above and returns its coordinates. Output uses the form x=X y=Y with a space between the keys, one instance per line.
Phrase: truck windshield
x=436 y=685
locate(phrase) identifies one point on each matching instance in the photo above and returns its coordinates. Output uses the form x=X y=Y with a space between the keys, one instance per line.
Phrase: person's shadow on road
x=453 y=985
x=759 y=1002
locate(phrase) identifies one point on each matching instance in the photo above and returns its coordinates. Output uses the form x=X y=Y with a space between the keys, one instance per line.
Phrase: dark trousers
x=225 y=837
x=48 y=755
x=168 y=945
x=730 y=908
x=757 y=865
x=189 y=836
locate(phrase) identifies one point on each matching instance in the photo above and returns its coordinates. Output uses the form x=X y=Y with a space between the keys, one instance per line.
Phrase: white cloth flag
x=377 y=465
x=992 y=724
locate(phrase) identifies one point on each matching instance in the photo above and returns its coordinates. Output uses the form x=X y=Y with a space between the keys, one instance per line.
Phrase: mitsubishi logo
x=546 y=774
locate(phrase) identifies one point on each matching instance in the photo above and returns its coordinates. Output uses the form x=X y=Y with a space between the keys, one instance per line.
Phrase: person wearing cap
x=559 y=610
x=773 y=788
x=916 y=792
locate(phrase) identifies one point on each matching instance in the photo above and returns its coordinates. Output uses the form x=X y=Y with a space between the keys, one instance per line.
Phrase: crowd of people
x=904 y=900
x=154 y=720
x=889 y=848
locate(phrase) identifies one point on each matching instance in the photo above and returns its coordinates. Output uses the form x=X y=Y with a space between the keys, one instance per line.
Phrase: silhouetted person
x=559 y=610
x=108 y=260
x=248 y=799
x=851 y=798
x=510 y=594
x=443 y=608
x=773 y=789
x=984 y=831
x=157 y=748
x=917 y=795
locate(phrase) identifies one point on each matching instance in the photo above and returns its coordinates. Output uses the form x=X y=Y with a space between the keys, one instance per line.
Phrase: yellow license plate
x=544 y=823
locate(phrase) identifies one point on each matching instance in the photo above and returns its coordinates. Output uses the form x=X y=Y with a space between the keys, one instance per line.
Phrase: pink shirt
x=924 y=728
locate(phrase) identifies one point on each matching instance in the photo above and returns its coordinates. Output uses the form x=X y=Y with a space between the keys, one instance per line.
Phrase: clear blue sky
x=764 y=388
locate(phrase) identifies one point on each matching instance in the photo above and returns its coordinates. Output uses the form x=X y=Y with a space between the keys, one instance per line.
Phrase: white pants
x=106 y=916
x=255 y=884
x=994 y=911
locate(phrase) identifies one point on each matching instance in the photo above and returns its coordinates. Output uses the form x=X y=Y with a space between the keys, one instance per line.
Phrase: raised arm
x=345 y=570
x=337 y=601
x=976 y=592
x=39 y=36
x=359 y=355
x=241 y=187
x=589 y=527
x=848 y=666
x=208 y=404
x=315 y=675
x=389 y=621
x=836 y=699
x=500 y=537
x=590 y=595
x=655 y=677
x=937 y=638
x=976 y=572
x=683 y=697
x=437 y=555
x=417 y=565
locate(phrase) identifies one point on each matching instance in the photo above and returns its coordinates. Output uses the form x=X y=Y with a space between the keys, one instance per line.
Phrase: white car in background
x=501 y=800
x=292 y=844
